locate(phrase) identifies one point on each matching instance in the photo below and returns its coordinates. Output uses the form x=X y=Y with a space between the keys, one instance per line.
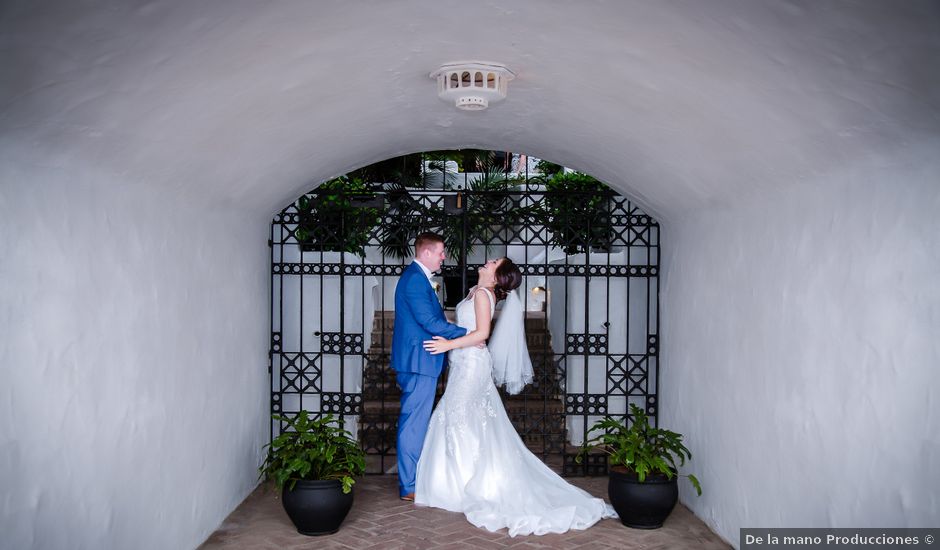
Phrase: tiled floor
x=379 y=520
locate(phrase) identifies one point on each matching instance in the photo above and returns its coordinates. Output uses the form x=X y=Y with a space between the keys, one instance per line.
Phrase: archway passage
x=589 y=256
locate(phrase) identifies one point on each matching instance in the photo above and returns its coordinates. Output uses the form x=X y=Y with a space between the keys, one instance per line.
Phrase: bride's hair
x=508 y=278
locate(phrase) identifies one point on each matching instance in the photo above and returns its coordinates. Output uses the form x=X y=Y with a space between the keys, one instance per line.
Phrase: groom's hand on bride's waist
x=439 y=344
x=436 y=345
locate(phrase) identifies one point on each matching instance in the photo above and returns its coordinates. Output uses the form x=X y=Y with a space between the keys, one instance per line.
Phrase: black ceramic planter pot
x=642 y=505
x=317 y=507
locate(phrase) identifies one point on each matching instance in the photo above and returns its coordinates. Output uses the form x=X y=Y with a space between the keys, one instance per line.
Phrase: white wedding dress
x=474 y=462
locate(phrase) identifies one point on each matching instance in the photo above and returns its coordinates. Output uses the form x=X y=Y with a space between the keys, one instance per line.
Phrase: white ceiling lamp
x=472 y=86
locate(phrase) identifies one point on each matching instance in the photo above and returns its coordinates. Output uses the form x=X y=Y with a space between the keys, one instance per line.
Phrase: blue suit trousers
x=417 y=400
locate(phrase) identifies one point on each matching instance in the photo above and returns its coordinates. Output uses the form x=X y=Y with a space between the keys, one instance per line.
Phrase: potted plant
x=576 y=211
x=313 y=463
x=548 y=168
x=337 y=216
x=488 y=212
x=405 y=217
x=643 y=468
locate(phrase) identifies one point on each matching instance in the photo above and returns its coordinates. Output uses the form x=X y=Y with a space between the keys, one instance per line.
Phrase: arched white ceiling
x=679 y=104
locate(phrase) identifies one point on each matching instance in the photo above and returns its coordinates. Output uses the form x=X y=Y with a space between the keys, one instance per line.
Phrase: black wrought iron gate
x=591 y=264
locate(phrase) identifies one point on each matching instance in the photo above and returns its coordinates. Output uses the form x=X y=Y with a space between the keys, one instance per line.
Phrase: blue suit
x=418 y=317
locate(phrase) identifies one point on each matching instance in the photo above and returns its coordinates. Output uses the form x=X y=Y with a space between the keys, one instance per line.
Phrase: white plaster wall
x=132 y=358
x=802 y=349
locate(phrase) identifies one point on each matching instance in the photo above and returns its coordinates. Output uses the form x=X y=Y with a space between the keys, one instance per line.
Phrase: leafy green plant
x=641 y=448
x=405 y=217
x=313 y=449
x=548 y=168
x=576 y=211
x=435 y=163
x=336 y=217
x=330 y=220
x=489 y=211
x=404 y=169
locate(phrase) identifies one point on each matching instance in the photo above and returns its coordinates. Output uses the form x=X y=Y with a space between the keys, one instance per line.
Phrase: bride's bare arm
x=481 y=307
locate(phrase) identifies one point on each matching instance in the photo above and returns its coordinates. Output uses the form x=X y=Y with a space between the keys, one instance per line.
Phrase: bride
x=473 y=461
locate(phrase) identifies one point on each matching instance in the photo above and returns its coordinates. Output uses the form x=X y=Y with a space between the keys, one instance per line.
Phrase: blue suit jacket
x=418 y=317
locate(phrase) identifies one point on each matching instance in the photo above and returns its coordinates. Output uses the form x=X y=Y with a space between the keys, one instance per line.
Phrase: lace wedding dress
x=474 y=462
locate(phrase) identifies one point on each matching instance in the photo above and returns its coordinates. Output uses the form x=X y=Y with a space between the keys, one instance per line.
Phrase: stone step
x=544 y=387
x=382 y=341
x=537 y=412
x=385 y=320
x=373 y=410
x=376 y=441
x=379 y=381
x=538 y=344
x=550 y=452
x=539 y=423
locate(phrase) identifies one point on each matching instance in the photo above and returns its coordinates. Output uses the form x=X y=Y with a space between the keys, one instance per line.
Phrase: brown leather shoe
x=410 y=497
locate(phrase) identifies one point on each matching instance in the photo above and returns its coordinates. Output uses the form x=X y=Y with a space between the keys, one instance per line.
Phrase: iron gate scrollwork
x=590 y=260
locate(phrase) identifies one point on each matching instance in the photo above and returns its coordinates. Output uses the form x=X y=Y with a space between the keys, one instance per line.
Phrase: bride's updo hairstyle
x=508 y=278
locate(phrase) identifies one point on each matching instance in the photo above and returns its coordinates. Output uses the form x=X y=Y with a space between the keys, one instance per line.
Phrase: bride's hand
x=437 y=345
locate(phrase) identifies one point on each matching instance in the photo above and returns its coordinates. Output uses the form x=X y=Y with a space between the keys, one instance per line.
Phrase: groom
x=418 y=317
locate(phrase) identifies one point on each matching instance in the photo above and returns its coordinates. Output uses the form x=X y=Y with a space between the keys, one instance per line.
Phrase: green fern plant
x=313 y=449
x=329 y=219
x=404 y=219
x=489 y=211
x=576 y=211
x=641 y=448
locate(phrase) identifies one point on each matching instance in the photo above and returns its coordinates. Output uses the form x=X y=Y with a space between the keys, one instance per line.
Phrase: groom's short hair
x=425 y=240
